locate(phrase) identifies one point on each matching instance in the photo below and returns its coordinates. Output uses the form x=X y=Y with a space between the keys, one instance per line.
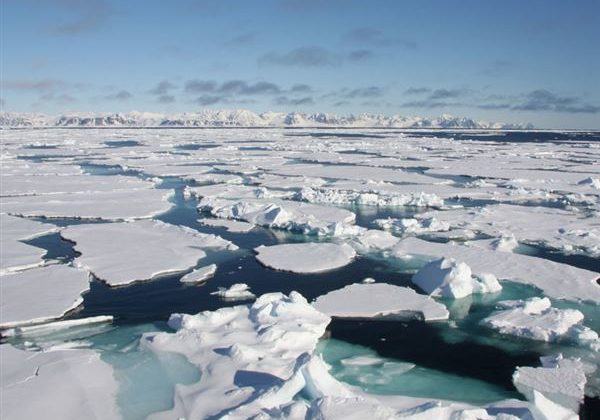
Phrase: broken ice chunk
x=536 y=319
x=200 y=274
x=447 y=277
x=560 y=380
x=238 y=291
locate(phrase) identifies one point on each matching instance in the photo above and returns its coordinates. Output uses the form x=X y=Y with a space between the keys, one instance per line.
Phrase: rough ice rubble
x=570 y=232
x=238 y=291
x=447 y=277
x=307 y=257
x=121 y=253
x=56 y=384
x=200 y=274
x=17 y=255
x=249 y=356
x=556 y=280
x=256 y=360
x=560 y=380
x=413 y=225
x=379 y=301
x=40 y=294
x=369 y=198
x=304 y=218
x=536 y=319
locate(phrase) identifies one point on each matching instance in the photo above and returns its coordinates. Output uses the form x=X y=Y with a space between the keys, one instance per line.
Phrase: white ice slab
x=40 y=294
x=200 y=274
x=237 y=292
x=562 y=382
x=380 y=301
x=61 y=384
x=536 y=319
x=449 y=278
x=16 y=255
x=111 y=205
x=306 y=257
x=55 y=184
x=121 y=253
x=556 y=280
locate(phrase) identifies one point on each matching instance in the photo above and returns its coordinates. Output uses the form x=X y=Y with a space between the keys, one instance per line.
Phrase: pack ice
x=305 y=257
x=121 y=253
x=380 y=301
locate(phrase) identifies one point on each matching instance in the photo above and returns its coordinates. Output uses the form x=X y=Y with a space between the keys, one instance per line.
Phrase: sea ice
x=106 y=205
x=447 y=277
x=121 y=253
x=556 y=280
x=200 y=274
x=57 y=384
x=380 y=301
x=306 y=257
x=238 y=291
x=17 y=255
x=412 y=225
x=40 y=294
x=560 y=380
x=536 y=319
x=249 y=356
x=304 y=218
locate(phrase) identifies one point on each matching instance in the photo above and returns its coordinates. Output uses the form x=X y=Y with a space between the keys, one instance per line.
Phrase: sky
x=512 y=61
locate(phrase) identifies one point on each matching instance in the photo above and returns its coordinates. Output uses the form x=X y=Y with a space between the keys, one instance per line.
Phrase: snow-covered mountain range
x=243 y=118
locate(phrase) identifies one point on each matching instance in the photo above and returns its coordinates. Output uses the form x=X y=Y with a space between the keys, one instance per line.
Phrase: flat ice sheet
x=58 y=384
x=110 y=205
x=40 y=294
x=121 y=253
x=309 y=257
x=380 y=300
x=15 y=254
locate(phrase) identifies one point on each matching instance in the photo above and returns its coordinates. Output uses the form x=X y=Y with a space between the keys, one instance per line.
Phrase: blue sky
x=513 y=61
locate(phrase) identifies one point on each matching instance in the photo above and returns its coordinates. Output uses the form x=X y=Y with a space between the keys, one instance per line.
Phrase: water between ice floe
x=457 y=360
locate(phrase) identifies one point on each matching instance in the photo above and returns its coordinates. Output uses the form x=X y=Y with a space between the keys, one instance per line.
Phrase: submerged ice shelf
x=358 y=197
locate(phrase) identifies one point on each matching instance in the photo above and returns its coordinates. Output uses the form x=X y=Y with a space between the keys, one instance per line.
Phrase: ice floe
x=121 y=253
x=567 y=231
x=556 y=280
x=200 y=275
x=109 y=205
x=536 y=319
x=257 y=360
x=560 y=380
x=40 y=294
x=380 y=301
x=17 y=255
x=307 y=257
x=57 y=384
x=447 y=277
x=238 y=291
x=251 y=356
x=304 y=218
